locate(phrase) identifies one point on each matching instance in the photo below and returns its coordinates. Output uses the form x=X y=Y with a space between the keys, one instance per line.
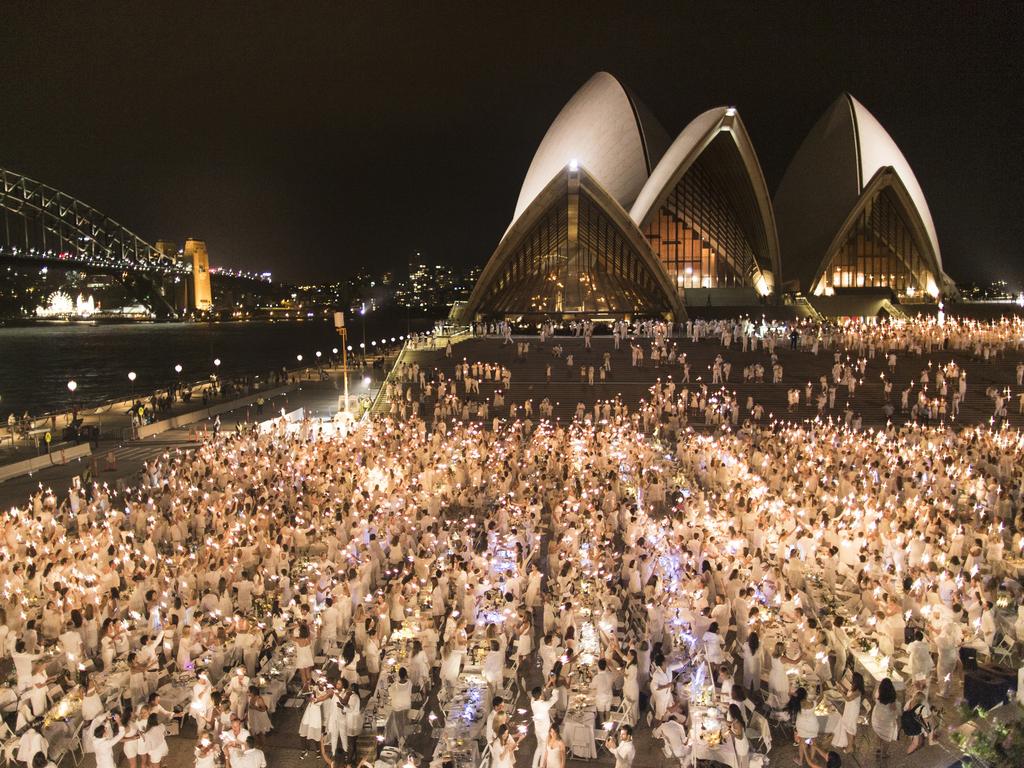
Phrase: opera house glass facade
x=697 y=235
x=880 y=251
x=615 y=220
x=574 y=257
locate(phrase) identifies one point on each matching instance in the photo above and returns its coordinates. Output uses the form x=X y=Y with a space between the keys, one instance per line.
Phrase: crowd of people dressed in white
x=622 y=572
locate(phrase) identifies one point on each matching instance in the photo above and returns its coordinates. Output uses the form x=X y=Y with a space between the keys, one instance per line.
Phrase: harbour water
x=36 y=362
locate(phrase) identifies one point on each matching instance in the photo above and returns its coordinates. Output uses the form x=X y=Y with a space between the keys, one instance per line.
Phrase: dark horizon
x=350 y=136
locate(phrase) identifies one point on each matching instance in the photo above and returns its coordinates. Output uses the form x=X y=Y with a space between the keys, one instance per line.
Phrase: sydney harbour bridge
x=47 y=226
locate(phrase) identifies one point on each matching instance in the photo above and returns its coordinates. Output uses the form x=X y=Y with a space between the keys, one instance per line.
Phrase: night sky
x=312 y=139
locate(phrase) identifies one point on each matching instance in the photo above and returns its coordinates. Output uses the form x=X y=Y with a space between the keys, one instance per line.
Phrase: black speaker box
x=986 y=686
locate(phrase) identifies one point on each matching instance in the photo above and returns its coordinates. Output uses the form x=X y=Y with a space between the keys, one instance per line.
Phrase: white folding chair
x=1004 y=650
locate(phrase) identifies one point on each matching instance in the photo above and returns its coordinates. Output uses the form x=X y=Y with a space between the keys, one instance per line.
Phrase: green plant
x=996 y=741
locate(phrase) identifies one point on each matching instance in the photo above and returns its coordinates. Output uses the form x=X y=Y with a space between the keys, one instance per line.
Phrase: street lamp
x=131 y=378
x=72 y=386
x=362 y=317
x=177 y=370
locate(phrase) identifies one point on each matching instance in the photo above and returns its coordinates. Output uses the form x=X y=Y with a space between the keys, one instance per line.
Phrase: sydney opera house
x=616 y=219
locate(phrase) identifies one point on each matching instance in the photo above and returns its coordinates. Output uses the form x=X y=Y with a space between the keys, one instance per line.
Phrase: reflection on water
x=36 y=362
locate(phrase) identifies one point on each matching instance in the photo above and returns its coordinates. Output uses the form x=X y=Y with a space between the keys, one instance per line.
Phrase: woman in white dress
x=303 y=655
x=419 y=666
x=133 y=737
x=451 y=663
x=740 y=743
x=524 y=643
x=806 y=730
x=751 y=653
x=311 y=726
x=154 y=741
x=90 y=631
x=372 y=656
x=107 y=646
x=778 y=680
x=257 y=717
x=630 y=688
x=554 y=753
x=846 y=728
x=885 y=715
x=206 y=752
x=503 y=748
x=353 y=715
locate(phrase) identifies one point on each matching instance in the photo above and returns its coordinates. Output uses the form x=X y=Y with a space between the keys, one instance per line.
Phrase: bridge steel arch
x=43 y=222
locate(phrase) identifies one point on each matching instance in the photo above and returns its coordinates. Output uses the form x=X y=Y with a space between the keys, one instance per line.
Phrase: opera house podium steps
x=632 y=384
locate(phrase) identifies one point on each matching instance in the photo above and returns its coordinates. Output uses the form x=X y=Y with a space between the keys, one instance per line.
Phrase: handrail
x=387 y=380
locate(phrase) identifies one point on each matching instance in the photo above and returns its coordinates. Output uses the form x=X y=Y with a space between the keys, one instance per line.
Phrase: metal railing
x=387 y=380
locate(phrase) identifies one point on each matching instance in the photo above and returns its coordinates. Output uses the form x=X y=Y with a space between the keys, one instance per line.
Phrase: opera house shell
x=613 y=220
x=852 y=215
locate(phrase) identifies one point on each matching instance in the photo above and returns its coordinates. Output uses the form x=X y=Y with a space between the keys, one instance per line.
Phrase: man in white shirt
x=251 y=757
x=104 y=740
x=329 y=625
x=23 y=663
x=921 y=665
x=71 y=642
x=541 y=720
x=673 y=733
x=30 y=744
x=623 y=749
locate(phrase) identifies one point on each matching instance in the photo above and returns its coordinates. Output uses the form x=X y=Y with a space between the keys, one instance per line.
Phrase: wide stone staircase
x=632 y=384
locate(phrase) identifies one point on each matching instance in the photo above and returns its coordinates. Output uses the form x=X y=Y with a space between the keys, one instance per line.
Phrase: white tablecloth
x=578 y=734
x=723 y=753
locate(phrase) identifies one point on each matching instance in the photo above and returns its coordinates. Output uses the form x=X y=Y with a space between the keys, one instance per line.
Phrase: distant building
x=429 y=285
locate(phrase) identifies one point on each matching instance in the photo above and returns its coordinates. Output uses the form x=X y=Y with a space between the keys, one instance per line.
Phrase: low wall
x=148 y=430
x=291 y=418
x=55 y=458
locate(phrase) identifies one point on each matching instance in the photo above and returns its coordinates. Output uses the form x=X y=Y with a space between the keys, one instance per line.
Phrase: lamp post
x=177 y=370
x=131 y=379
x=339 y=326
x=216 y=375
x=362 y=316
x=72 y=386
x=318 y=363
x=299 y=358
